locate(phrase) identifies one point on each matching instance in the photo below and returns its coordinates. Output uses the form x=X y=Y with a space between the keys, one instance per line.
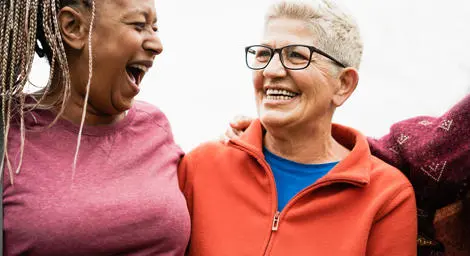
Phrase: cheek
x=258 y=80
x=308 y=84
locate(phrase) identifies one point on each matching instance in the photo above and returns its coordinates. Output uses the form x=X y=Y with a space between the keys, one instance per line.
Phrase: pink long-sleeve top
x=123 y=199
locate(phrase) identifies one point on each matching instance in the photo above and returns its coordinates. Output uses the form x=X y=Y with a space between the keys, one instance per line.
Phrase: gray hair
x=337 y=32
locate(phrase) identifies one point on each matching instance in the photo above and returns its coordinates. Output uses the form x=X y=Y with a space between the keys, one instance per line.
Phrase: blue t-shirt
x=292 y=177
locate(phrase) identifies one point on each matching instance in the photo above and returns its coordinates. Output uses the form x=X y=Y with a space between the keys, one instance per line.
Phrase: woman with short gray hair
x=294 y=183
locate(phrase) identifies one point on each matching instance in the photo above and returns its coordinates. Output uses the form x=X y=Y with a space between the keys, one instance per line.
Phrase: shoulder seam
x=153 y=119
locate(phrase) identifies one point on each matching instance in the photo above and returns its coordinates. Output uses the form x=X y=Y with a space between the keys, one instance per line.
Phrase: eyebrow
x=140 y=12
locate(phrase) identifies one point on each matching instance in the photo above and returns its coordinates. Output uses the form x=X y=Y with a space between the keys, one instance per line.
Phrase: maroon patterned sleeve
x=434 y=153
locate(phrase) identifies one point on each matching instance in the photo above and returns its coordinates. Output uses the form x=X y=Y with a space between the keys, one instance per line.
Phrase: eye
x=139 y=26
x=297 y=55
x=263 y=55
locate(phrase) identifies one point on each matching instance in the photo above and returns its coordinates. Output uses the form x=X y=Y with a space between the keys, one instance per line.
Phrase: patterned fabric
x=434 y=153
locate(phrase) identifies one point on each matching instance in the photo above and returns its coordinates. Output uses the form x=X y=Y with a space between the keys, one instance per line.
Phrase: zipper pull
x=275 y=225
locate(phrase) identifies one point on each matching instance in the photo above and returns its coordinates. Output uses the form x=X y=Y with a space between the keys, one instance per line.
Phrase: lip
x=146 y=63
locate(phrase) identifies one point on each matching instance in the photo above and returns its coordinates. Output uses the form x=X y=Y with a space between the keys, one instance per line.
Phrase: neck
x=73 y=109
x=312 y=145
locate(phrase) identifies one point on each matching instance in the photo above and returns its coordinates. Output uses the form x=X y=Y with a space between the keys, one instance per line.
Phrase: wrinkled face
x=125 y=43
x=293 y=97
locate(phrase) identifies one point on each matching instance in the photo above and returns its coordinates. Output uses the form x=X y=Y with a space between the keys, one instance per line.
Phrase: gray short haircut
x=337 y=32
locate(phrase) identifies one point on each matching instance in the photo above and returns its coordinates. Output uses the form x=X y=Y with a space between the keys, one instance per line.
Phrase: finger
x=239 y=118
x=223 y=139
x=241 y=122
x=232 y=133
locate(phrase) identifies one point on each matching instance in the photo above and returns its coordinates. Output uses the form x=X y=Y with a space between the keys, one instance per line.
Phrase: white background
x=416 y=62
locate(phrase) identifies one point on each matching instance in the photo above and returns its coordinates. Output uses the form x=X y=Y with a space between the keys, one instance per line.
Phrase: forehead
x=283 y=31
x=121 y=8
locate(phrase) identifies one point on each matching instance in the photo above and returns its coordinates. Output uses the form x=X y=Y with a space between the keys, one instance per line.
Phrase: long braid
x=5 y=41
x=30 y=17
x=90 y=75
x=21 y=37
x=16 y=49
x=63 y=64
x=2 y=22
x=3 y=9
x=22 y=41
x=8 y=74
x=3 y=49
x=22 y=23
x=41 y=95
x=30 y=33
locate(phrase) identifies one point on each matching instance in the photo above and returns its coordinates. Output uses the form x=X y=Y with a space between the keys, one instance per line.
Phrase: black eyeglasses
x=294 y=57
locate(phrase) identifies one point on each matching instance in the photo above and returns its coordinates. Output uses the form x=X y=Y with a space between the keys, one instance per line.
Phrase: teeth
x=280 y=93
x=269 y=97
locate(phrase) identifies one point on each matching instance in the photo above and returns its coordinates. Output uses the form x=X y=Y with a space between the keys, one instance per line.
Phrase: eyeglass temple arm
x=328 y=56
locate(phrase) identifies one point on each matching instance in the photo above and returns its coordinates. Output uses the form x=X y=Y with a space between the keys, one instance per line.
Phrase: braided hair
x=29 y=27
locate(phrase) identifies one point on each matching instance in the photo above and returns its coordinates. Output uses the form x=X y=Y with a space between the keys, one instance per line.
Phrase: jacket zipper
x=274 y=229
x=275 y=225
x=276 y=218
x=277 y=215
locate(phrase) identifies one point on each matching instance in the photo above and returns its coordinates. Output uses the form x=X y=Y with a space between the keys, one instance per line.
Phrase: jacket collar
x=354 y=169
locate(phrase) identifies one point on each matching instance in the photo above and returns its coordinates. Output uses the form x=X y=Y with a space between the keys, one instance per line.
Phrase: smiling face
x=289 y=98
x=125 y=43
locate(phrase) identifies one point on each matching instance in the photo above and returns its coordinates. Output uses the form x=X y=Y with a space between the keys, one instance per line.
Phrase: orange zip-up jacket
x=361 y=207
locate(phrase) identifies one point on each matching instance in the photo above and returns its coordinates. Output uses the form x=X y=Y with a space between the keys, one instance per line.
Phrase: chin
x=128 y=104
x=123 y=98
x=275 y=119
x=123 y=105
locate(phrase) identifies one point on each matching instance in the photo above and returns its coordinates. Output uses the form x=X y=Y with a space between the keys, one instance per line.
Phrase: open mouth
x=280 y=94
x=136 y=72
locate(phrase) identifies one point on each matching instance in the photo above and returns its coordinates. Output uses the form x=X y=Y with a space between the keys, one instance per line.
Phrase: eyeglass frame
x=279 y=50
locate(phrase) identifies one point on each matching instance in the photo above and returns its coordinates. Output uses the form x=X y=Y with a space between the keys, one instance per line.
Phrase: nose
x=153 y=44
x=274 y=68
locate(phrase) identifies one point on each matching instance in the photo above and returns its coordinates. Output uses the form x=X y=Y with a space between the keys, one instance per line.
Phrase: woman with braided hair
x=80 y=174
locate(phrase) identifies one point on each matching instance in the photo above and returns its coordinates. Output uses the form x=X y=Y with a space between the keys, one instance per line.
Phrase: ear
x=73 y=28
x=348 y=79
